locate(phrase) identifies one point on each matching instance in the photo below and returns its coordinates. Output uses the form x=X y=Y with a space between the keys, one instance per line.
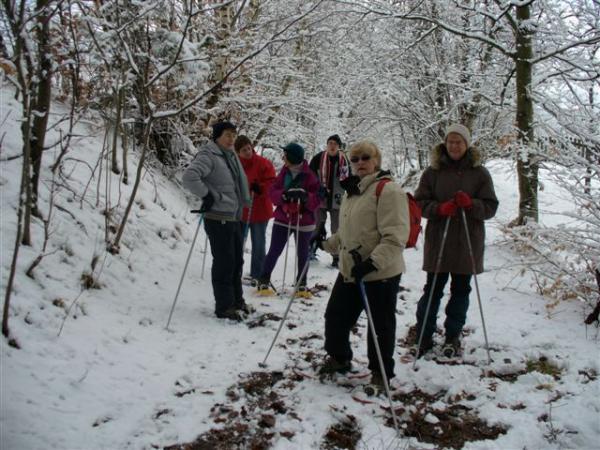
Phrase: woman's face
x=456 y=146
x=363 y=164
x=246 y=151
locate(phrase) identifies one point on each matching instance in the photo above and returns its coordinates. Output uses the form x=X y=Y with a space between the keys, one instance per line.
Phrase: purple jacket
x=306 y=180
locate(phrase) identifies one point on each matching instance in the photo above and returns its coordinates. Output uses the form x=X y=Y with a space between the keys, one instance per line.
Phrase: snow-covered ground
x=115 y=378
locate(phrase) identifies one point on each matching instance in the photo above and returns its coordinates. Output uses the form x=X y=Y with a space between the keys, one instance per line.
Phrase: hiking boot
x=375 y=386
x=332 y=365
x=265 y=290
x=231 y=314
x=451 y=347
x=245 y=308
x=426 y=346
x=303 y=292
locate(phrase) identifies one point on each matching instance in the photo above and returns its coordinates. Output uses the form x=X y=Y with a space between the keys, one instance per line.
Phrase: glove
x=207 y=202
x=363 y=268
x=294 y=195
x=350 y=185
x=447 y=209
x=255 y=187
x=463 y=200
x=317 y=241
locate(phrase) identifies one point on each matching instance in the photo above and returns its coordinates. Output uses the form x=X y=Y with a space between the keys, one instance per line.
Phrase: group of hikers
x=369 y=224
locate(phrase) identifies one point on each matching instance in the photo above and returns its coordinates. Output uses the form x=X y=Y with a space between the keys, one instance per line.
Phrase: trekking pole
x=247 y=225
x=287 y=310
x=204 y=257
x=431 y=289
x=287 y=247
x=487 y=345
x=297 y=237
x=187 y=261
x=363 y=294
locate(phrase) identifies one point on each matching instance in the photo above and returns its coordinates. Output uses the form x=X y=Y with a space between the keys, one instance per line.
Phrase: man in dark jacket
x=455 y=180
x=217 y=176
x=331 y=166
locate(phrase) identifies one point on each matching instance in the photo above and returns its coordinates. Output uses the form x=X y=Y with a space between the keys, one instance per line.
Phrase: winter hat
x=335 y=138
x=294 y=152
x=220 y=127
x=241 y=141
x=461 y=130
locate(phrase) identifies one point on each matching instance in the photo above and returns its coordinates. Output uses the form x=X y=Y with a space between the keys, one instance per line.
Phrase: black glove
x=350 y=185
x=317 y=241
x=207 y=202
x=255 y=187
x=295 y=194
x=363 y=268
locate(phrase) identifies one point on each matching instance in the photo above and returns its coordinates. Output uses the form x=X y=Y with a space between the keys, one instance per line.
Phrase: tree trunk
x=42 y=98
x=117 y=127
x=527 y=164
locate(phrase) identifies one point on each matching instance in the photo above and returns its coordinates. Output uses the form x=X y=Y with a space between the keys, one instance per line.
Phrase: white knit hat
x=461 y=130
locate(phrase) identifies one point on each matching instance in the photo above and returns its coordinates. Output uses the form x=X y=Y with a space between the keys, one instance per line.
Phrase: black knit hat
x=220 y=127
x=294 y=153
x=335 y=138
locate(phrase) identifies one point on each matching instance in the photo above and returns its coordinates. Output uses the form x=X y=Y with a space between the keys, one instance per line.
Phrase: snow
x=115 y=378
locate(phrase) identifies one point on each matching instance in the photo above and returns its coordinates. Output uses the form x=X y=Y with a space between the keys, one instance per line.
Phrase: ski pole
x=187 y=261
x=204 y=257
x=287 y=310
x=363 y=294
x=287 y=247
x=297 y=237
x=487 y=346
x=431 y=289
x=247 y=225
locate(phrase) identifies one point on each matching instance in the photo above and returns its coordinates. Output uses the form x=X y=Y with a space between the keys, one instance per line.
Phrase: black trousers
x=456 y=309
x=226 y=246
x=345 y=306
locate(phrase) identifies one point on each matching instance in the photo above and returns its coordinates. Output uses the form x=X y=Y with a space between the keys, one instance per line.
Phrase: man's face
x=332 y=147
x=246 y=152
x=227 y=139
x=456 y=146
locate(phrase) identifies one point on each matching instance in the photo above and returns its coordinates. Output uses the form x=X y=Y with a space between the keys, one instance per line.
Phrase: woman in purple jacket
x=295 y=196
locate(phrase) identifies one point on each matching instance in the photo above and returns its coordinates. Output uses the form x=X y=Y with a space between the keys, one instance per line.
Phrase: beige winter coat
x=378 y=227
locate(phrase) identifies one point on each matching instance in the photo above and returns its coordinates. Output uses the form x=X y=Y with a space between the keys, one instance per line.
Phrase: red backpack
x=414 y=213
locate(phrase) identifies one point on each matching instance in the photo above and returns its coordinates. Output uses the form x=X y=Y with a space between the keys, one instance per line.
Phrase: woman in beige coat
x=374 y=221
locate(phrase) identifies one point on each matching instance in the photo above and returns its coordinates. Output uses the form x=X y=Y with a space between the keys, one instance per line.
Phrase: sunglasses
x=356 y=159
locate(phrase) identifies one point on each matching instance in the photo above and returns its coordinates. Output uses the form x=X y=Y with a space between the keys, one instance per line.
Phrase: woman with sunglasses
x=374 y=226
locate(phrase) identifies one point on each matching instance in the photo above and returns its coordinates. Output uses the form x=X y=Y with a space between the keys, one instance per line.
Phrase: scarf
x=239 y=176
x=324 y=169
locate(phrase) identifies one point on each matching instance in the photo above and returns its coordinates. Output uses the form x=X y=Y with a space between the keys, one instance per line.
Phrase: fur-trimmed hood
x=439 y=157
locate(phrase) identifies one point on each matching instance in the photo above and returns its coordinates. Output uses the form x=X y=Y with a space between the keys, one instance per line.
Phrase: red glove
x=447 y=209
x=463 y=200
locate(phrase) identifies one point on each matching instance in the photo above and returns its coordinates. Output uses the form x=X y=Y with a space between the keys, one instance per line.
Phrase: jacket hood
x=439 y=157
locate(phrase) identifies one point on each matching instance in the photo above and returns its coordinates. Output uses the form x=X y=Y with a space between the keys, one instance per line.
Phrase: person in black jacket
x=331 y=166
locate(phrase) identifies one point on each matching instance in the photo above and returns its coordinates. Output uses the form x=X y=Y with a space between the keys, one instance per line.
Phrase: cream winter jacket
x=378 y=227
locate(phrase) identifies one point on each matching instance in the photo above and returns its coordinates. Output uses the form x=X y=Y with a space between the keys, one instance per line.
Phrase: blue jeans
x=258 y=232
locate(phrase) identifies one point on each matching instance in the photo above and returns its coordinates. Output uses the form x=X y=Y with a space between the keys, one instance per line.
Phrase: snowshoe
x=375 y=386
x=303 y=292
x=265 y=290
x=426 y=346
x=249 y=281
x=451 y=348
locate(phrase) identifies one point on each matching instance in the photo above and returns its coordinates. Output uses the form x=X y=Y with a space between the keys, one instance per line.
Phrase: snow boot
x=231 y=314
x=332 y=366
x=375 y=386
x=451 y=347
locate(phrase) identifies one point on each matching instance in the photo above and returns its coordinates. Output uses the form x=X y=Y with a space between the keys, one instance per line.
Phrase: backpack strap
x=380 y=186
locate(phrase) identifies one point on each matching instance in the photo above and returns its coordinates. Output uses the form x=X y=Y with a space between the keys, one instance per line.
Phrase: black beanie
x=335 y=138
x=220 y=127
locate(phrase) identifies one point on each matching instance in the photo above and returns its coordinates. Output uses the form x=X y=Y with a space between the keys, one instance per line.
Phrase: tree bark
x=527 y=164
